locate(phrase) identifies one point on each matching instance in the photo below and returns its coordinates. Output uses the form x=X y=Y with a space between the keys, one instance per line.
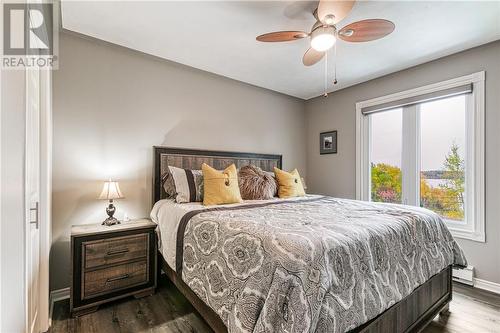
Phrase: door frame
x=45 y=196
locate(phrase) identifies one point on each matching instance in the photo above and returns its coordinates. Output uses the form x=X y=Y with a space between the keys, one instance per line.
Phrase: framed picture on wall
x=328 y=142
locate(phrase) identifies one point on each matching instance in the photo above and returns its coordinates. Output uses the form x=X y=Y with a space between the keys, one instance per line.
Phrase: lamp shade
x=111 y=190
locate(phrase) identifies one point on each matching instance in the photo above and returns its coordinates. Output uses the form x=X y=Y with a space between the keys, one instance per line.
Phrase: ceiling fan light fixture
x=323 y=38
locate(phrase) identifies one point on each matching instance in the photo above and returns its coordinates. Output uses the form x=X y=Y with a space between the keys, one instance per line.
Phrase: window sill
x=467 y=234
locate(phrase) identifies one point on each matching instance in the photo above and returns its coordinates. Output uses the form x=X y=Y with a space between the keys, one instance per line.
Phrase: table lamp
x=111 y=191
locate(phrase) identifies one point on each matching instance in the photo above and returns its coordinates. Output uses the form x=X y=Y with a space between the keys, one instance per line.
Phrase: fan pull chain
x=335 y=64
x=325 y=94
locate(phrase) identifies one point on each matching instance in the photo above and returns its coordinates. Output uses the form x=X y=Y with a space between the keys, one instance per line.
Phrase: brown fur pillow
x=256 y=184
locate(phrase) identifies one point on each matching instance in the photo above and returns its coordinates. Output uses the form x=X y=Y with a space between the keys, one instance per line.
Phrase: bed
x=310 y=264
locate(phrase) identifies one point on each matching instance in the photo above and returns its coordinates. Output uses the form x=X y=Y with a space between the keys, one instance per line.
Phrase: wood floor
x=472 y=310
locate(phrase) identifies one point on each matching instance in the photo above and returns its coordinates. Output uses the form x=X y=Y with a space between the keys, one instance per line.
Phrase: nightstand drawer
x=114 y=278
x=115 y=250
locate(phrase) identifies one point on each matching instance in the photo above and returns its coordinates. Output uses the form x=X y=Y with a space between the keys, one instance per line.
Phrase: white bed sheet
x=167 y=214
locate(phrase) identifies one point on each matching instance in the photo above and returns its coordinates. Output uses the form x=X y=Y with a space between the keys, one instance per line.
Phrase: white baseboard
x=487 y=285
x=59 y=294
x=466 y=276
x=55 y=296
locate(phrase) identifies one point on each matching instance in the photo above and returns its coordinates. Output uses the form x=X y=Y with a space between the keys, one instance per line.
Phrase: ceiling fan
x=324 y=32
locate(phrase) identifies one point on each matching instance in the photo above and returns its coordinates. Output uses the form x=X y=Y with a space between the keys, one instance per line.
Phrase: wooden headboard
x=193 y=159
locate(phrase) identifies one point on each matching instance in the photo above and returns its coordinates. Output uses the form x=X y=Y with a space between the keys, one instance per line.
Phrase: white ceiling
x=219 y=36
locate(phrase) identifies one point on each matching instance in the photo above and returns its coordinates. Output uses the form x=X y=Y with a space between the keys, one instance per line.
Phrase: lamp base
x=110 y=221
x=110 y=210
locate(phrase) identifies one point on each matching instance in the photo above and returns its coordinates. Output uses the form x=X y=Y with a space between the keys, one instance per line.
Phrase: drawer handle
x=115 y=252
x=117 y=278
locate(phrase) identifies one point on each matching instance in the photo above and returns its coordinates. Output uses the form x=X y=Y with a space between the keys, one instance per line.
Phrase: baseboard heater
x=464 y=275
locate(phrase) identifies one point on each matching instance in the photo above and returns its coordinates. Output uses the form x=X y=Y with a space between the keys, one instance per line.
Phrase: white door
x=32 y=196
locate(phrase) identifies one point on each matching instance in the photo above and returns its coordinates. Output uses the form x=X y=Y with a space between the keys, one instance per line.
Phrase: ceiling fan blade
x=312 y=56
x=282 y=36
x=366 y=30
x=334 y=11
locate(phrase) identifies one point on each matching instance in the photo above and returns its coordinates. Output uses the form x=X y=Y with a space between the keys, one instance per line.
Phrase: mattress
x=311 y=264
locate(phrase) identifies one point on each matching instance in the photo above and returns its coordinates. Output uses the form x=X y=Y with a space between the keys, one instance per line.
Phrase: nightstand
x=111 y=262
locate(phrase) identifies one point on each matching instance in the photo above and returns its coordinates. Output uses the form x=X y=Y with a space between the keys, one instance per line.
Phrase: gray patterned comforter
x=314 y=265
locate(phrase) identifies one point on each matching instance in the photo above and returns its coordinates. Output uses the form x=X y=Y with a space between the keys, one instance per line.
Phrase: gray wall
x=336 y=175
x=111 y=105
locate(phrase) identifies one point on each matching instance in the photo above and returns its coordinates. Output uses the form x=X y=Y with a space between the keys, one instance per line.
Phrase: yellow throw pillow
x=220 y=187
x=290 y=184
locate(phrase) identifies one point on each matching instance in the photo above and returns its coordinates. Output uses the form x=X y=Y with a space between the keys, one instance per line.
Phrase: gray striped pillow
x=184 y=185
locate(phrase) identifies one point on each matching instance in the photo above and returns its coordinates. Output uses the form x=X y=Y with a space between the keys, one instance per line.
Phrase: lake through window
x=443 y=156
x=440 y=145
x=427 y=153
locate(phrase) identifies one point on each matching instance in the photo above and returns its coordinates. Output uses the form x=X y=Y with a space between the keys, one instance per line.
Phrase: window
x=425 y=147
x=385 y=162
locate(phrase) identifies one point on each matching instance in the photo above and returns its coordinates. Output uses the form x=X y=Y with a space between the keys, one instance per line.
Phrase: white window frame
x=474 y=226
